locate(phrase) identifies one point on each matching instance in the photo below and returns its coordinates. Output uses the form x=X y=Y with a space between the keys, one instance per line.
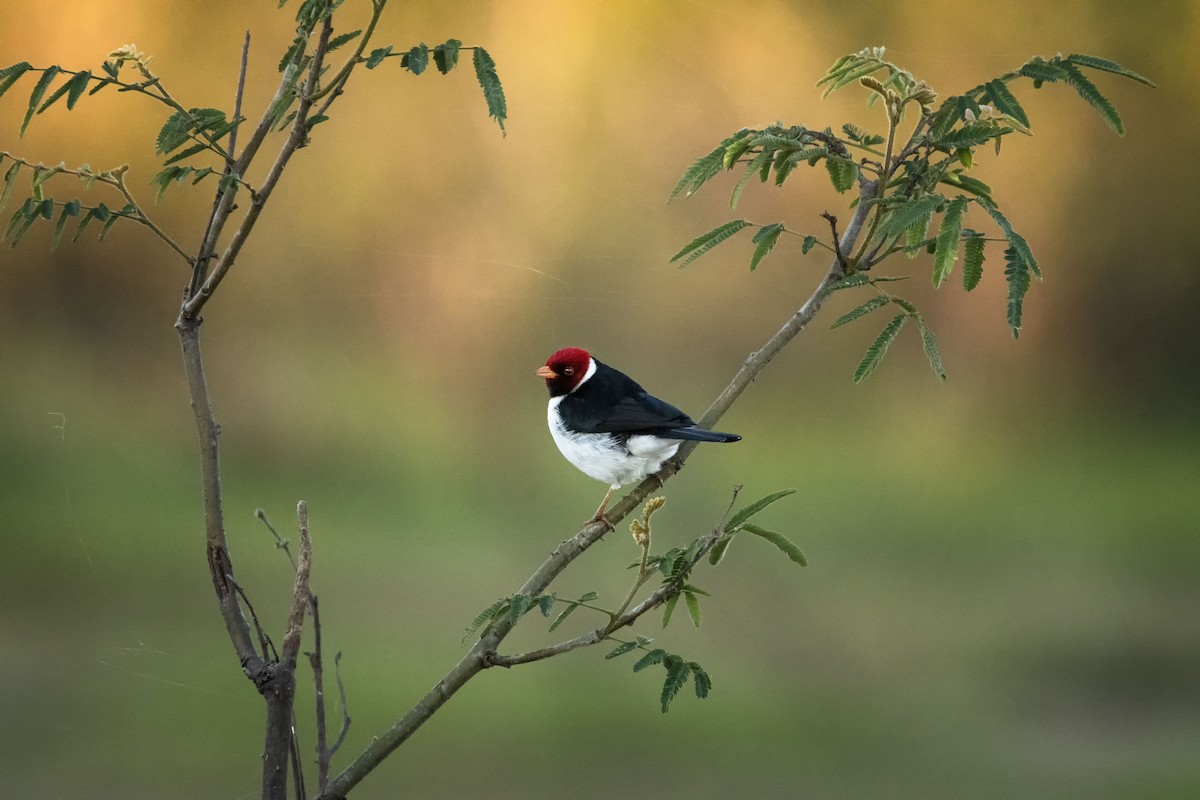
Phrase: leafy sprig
x=906 y=185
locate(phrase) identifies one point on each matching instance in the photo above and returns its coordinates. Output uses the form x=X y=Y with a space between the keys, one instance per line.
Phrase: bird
x=608 y=426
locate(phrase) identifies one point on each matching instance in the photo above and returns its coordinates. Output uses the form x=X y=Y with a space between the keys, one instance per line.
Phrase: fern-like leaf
x=445 y=56
x=929 y=345
x=488 y=615
x=1006 y=102
x=702 y=681
x=707 y=241
x=1041 y=71
x=749 y=511
x=904 y=217
x=783 y=543
x=655 y=656
x=842 y=173
x=693 y=607
x=1105 y=65
x=873 y=304
x=622 y=649
x=35 y=98
x=1016 y=272
x=765 y=241
x=1088 y=91
x=947 y=240
x=678 y=673
x=972 y=262
x=967 y=184
x=878 y=348
x=10 y=75
x=1015 y=239
x=706 y=167
x=489 y=81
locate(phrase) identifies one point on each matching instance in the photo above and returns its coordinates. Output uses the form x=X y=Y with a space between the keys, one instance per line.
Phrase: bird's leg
x=599 y=515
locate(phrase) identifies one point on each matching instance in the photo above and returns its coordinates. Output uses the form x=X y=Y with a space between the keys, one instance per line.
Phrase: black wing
x=612 y=402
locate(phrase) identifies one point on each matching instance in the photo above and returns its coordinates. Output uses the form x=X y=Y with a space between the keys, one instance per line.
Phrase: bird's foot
x=601 y=518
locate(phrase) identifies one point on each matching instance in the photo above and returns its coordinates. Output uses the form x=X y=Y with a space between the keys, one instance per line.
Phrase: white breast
x=604 y=457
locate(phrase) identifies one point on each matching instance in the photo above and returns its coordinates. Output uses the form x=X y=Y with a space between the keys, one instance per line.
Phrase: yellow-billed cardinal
x=610 y=427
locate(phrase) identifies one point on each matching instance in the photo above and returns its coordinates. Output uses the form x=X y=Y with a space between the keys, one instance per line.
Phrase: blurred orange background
x=1002 y=593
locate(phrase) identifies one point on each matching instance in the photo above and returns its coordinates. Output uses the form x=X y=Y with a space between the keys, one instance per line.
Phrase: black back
x=612 y=402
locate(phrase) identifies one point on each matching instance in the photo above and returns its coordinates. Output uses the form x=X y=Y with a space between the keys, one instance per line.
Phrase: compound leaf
x=707 y=241
x=878 y=348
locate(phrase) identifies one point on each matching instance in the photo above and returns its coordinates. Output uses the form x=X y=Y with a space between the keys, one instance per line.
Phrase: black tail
x=700 y=435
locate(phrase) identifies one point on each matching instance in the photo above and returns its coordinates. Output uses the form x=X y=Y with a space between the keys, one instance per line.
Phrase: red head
x=565 y=370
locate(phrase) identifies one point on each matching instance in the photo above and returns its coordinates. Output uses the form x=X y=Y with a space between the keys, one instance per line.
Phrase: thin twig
x=280 y=542
x=264 y=641
x=337 y=673
x=296 y=139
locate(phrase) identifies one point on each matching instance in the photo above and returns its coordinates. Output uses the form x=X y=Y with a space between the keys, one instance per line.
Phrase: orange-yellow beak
x=546 y=372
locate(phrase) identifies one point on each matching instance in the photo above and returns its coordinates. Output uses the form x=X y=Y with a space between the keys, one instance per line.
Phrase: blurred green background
x=1002 y=598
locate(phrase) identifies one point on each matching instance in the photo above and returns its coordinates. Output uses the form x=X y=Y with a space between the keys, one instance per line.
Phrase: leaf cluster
x=906 y=183
x=677 y=669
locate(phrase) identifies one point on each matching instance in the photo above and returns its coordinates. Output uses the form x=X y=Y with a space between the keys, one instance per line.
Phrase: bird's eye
x=568 y=370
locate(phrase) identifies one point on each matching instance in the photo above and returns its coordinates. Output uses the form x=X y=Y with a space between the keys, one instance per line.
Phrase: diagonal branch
x=478 y=657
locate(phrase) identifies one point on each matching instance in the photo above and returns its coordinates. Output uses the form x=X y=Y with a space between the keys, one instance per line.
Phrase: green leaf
x=851 y=282
x=655 y=656
x=842 y=173
x=1005 y=102
x=808 y=244
x=873 y=304
x=669 y=608
x=517 y=607
x=693 y=607
x=1109 y=66
x=707 y=241
x=622 y=649
x=377 y=56
x=904 y=217
x=75 y=85
x=973 y=262
x=59 y=227
x=703 y=682
x=947 y=240
x=878 y=348
x=10 y=75
x=968 y=184
x=314 y=120
x=1015 y=239
x=445 y=56
x=416 y=60
x=108 y=224
x=929 y=345
x=488 y=615
x=677 y=675
x=1017 y=274
x=493 y=93
x=342 y=39
x=705 y=167
x=757 y=163
x=972 y=134
x=46 y=209
x=35 y=97
x=545 y=604
x=783 y=543
x=187 y=152
x=10 y=179
x=1041 y=71
x=758 y=505
x=1088 y=91
x=174 y=132
x=83 y=223
x=717 y=553
x=570 y=609
x=765 y=240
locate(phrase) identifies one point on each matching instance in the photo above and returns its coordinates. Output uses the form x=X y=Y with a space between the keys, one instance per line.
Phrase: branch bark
x=483 y=653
